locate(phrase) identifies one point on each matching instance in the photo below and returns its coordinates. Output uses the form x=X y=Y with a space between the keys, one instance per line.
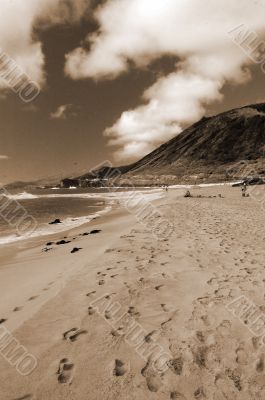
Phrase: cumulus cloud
x=17 y=20
x=171 y=102
x=137 y=32
x=63 y=112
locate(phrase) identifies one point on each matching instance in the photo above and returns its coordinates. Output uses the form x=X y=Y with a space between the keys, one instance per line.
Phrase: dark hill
x=226 y=146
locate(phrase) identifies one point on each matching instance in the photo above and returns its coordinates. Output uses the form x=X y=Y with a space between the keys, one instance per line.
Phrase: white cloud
x=164 y=114
x=141 y=31
x=17 y=19
x=64 y=111
x=4 y=157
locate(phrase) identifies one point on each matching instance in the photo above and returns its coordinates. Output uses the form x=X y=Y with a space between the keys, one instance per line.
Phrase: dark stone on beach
x=2 y=320
x=56 y=221
x=95 y=231
x=63 y=242
x=49 y=243
x=91 y=232
x=75 y=249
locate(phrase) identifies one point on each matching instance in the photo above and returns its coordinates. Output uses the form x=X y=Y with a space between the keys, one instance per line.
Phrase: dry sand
x=169 y=294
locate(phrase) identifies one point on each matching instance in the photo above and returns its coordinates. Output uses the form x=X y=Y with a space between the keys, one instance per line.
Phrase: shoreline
x=24 y=263
x=62 y=227
x=111 y=199
x=26 y=267
x=110 y=196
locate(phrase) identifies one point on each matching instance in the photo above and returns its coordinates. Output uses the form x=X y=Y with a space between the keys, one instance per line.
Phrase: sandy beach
x=132 y=317
x=132 y=200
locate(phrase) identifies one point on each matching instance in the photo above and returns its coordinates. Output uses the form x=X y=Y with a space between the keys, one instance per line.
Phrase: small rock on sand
x=63 y=242
x=75 y=249
x=56 y=221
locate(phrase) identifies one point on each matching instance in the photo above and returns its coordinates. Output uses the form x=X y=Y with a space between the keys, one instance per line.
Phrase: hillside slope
x=226 y=146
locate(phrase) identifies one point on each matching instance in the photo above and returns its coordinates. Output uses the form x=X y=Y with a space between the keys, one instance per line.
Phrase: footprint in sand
x=101 y=282
x=73 y=334
x=235 y=378
x=108 y=296
x=164 y=324
x=66 y=334
x=199 y=393
x=224 y=328
x=164 y=307
x=76 y=335
x=260 y=364
x=17 y=309
x=200 y=356
x=26 y=397
x=158 y=287
x=132 y=291
x=117 y=332
x=177 y=396
x=133 y=312
x=153 y=380
x=108 y=314
x=32 y=298
x=91 y=310
x=65 y=371
x=120 y=368
x=151 y=336
x=176 y=365
x=90 y=293
x=2 y=320
x=241 y=355
x=255 y=342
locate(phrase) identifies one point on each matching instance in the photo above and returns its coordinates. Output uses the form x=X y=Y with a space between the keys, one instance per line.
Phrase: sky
x=117 y=78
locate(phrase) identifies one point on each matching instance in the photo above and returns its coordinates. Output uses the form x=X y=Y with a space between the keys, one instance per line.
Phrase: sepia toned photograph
x=132 y=200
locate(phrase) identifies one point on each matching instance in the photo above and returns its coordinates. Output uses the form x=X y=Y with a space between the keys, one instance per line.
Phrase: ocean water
x=43 y=206
x=73 y=207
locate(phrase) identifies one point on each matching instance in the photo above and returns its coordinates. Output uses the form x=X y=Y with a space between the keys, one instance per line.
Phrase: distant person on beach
x=187 y=194
x=244 y=189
